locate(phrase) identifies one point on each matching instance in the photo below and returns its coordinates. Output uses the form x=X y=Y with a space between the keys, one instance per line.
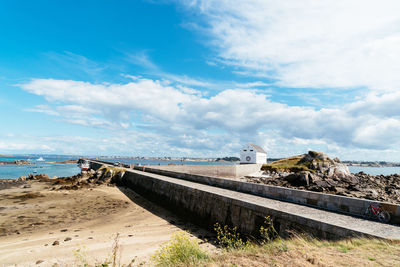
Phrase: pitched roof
x=258 y=148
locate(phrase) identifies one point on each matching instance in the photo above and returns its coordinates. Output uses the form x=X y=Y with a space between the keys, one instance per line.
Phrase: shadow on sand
x=170 y=216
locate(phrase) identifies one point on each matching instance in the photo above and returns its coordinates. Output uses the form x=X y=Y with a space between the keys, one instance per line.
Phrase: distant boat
x=34 y=171
x=40 y=159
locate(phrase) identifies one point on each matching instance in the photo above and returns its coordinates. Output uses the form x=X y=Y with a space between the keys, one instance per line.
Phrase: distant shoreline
x=373 y=164
x=16 y=162
x=65 y=161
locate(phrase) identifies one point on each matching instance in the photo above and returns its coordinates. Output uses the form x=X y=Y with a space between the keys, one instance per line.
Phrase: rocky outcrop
x=66 y=161
x=314 y=162
x=91 y=178
x=16 y=162
x=40 y=177
x=10 y=183
x=331 y=176
x=322 y=164
x=361 y=185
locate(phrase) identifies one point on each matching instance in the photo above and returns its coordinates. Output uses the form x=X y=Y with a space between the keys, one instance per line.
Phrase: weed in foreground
x=113 y=260
x=267 y=230
x=181 y=250
x=229 y=238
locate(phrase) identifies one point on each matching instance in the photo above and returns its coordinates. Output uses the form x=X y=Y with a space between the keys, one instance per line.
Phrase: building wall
x=251 y=154
x=261 y=158
x=233 y=171
x=255 y=157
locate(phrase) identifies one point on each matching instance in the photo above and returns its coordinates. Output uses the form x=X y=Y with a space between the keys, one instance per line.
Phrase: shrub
x=181 y=250
x=229 y=238
x=267 y=230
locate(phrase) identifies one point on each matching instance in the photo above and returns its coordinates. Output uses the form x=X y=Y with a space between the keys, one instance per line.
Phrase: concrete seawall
x=206 y=205
x=342 y=204
x=231 y=170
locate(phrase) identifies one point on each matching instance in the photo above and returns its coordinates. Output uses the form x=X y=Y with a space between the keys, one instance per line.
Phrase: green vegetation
x=307 y=251
x=228 y=159
x=292 y=164
x=267 y=231
x=181 y=251
x=299 y=250
x=306 y=162
x=229 y=238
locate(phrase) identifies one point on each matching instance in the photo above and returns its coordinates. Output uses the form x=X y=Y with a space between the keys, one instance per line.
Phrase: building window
x=251 y=150
x=244 y=150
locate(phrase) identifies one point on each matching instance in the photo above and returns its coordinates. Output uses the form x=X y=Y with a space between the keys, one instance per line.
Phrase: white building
x=253 y=154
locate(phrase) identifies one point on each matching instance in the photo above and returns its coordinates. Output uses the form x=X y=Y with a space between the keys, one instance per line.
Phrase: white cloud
x=179 y=118
x=69 y=63
x=148 y=96
x=307 y=43
x=379 y=133
x=140 y=58
x=44 y=109
x=11 y=147
x=380 y=105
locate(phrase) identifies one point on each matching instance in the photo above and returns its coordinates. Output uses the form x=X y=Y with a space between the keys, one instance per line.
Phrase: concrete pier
x=207 y=205
x=340 y=204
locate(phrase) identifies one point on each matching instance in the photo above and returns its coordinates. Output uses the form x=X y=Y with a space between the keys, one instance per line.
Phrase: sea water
x=69 y=169
x=62 y=170
x=375 y=170
x=39 y=167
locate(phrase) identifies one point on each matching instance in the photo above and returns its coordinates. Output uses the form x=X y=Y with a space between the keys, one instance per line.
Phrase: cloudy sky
x=200 y=78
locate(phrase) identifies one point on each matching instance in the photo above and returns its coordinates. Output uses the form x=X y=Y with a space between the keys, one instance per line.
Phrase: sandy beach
x=43 y=227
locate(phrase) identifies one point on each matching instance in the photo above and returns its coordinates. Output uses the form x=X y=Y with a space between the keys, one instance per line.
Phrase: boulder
x=313 y=177
x=323 y=184
x=298 y=179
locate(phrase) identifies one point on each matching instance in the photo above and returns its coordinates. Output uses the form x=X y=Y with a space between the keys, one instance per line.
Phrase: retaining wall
x=347 y=205
x=205 y=205
x=233 y=170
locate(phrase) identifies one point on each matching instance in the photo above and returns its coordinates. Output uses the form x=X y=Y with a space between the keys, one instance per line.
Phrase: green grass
x=295 y=163
x=302 y=250
x=292 y=164
x=299 y=250
x=180 y=251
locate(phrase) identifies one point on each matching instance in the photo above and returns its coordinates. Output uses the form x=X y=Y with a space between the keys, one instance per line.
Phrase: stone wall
x=205 y=205
x=342 y=204
x=234 y=170
x=206 y=208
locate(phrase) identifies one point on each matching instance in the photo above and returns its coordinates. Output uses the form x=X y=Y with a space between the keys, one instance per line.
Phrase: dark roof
x=258 y=148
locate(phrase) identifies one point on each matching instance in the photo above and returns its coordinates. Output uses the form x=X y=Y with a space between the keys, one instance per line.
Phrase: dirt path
x=39 y=227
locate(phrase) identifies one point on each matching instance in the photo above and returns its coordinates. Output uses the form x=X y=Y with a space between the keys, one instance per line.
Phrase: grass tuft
x=229 y=238
x=180 y=251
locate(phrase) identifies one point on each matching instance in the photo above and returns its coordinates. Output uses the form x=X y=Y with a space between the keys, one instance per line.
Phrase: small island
x=315 y=171
x=65 y=161
x=16 y=162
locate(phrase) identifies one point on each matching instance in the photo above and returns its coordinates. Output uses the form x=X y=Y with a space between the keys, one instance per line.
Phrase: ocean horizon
x=47 y=166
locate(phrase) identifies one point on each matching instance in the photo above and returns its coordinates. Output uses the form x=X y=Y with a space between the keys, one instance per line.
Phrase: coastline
x=76 y=220
x=45 y=227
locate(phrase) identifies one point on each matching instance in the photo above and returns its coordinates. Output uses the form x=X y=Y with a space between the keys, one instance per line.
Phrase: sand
x=41 y=227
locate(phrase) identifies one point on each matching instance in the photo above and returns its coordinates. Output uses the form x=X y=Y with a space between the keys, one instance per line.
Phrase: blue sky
x=200 y=78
